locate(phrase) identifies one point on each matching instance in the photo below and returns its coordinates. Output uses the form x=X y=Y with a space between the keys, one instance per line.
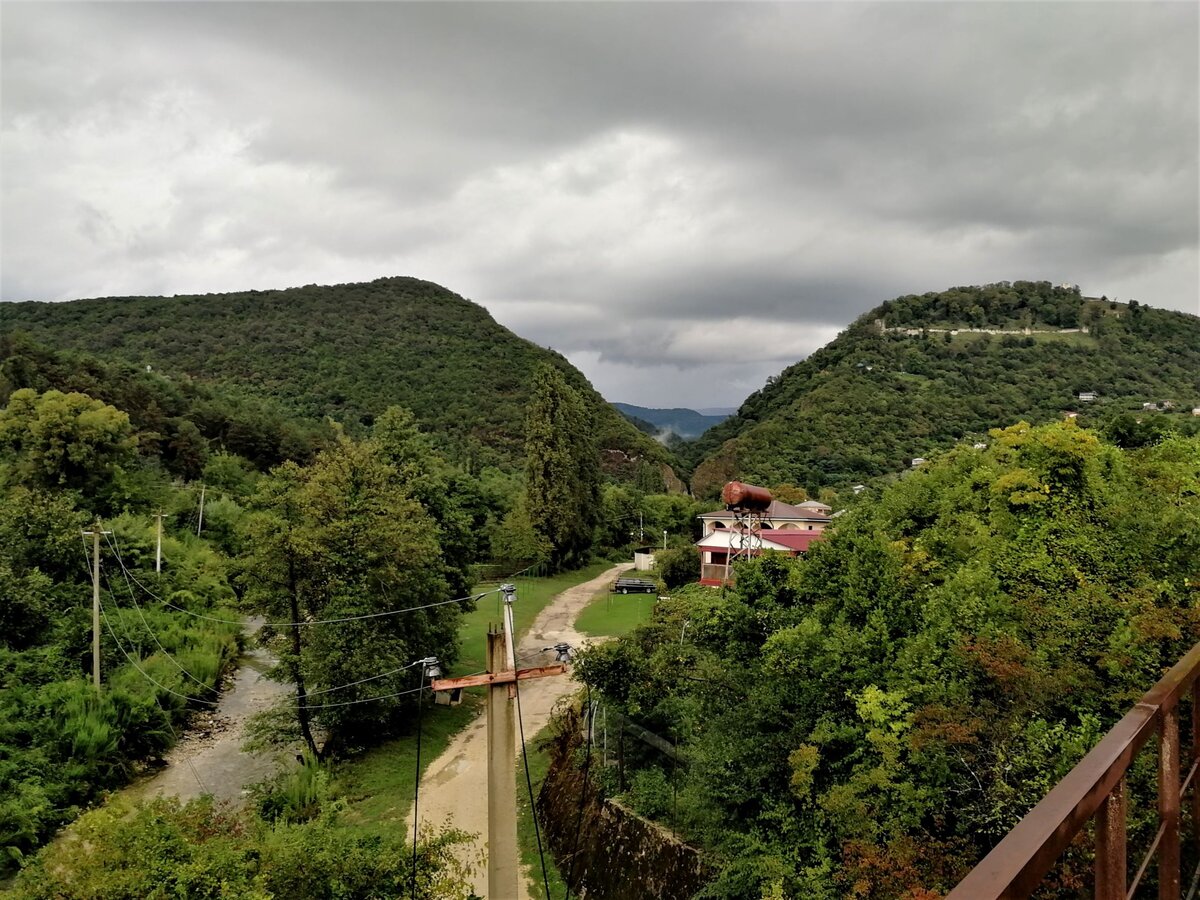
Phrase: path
x=454 y=786
x=209 y=757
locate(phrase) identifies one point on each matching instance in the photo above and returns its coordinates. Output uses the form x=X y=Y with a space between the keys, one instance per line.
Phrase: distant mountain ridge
x=892 y=386
x=346 y=352
x=686 y=423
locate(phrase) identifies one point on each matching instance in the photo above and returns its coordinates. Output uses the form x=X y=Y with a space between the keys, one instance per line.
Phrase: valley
x=1012 y=557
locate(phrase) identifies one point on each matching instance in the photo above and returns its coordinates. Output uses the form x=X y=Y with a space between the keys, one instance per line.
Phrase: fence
x=1095 y=788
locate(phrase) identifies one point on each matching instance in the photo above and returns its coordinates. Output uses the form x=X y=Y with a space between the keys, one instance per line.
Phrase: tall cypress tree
x=562 y=468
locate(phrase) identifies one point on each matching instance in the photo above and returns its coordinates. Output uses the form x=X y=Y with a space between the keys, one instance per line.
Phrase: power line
x=529 y=782
x=114 y=547
x=376 y=615
x=152 y=680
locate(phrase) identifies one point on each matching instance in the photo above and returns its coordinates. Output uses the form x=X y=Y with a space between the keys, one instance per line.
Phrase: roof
x=773 y=539
x=809 y=509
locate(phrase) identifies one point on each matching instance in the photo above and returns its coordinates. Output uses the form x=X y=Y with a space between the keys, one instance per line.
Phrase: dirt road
x=209 y=758
x=454 y=786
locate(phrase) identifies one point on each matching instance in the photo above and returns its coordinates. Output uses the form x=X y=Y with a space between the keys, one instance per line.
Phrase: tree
x=67 y=441
x=452 y=500
x=342 y=539
x=562 y=469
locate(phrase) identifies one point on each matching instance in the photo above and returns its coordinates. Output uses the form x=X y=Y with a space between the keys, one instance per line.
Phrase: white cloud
x=641 y=186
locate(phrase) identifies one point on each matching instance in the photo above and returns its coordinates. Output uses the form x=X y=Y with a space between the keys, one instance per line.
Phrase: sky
x=682 y=198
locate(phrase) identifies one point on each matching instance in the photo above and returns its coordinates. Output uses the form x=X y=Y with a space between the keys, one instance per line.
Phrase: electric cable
x=375 y=615
x=361 y=681
x=537 y=831
x=116 y=551
x=327 y=690
x=157 y=702
x=417 y=791
x=589 y=721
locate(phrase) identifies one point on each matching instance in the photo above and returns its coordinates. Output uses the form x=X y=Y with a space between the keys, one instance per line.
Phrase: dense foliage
x=66 y=458
x=871 y=400
x=200 y=851
x=346 y=539
x=562 y=469
x=347 y=352
x=180 y=422
x=867 y=721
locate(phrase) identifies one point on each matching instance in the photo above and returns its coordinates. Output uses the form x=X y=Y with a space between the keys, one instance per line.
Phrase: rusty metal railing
x=1096 y=788
x=714 y=572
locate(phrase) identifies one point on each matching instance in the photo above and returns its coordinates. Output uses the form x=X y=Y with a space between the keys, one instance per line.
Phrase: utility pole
x=501 y=679
x=158 y=544
x=641 y=532
x=200 y=521
x=95 y=535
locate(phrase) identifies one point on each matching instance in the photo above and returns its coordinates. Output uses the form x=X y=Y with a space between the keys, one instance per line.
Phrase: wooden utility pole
x=200 y=521
x=95 y=535
x=158 y=544
x=501 y=678
x=502 y=776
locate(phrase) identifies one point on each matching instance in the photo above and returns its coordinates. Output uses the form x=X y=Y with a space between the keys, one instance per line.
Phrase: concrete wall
x=608 y=852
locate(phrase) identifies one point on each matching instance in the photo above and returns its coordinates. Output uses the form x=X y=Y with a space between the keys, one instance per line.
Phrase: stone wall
x=604 y=850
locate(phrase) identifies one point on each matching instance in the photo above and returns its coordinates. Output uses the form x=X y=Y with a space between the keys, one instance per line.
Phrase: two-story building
x=788 y=528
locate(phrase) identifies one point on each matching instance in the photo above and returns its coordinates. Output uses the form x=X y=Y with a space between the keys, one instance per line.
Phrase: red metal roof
x=791 y=538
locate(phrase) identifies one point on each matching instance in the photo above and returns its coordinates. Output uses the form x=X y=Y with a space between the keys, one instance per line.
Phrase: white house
x=1087 y=396
x=716 y=546
x=810 y=515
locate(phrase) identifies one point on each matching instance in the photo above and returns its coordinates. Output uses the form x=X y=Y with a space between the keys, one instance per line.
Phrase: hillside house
x=788 y=528
x=1196 y=411
x=1149 y=406
x=1087 y=396
x=810 y=515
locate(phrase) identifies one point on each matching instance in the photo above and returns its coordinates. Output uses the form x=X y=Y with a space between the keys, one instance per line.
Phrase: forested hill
x=345 y=351
x=897 y=385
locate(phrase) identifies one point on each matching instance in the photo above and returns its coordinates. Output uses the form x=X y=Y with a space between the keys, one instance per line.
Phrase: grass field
x=615 y=615
x=539 y=764
x=532 y=596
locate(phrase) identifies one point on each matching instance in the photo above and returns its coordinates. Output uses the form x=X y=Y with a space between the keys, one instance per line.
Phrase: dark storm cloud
x=594 y=173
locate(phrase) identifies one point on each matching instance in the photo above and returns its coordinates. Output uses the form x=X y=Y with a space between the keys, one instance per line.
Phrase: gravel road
x=454 y=787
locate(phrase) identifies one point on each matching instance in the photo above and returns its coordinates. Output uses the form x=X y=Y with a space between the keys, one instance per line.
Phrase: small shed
x=643 y=558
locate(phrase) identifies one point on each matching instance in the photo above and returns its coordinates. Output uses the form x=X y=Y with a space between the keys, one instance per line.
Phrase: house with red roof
x=788 y=528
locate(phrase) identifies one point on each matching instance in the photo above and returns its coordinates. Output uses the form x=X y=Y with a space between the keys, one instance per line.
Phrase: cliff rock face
x=605 y=850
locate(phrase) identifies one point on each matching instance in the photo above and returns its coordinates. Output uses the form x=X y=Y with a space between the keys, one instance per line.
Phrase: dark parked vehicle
x=635 y=586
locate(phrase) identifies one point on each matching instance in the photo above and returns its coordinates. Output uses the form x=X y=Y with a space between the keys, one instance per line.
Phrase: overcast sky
x=682 y=198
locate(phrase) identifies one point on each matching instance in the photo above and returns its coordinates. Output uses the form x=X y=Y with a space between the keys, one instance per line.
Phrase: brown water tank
x=738 y=495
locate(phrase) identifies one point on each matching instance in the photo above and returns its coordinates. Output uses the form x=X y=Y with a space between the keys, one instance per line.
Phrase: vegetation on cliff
x=871 y=400
x=346 y=352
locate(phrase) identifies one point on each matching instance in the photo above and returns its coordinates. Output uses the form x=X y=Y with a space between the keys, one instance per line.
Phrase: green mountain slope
x=878 y=396
x=347 y=352
x=179 y=421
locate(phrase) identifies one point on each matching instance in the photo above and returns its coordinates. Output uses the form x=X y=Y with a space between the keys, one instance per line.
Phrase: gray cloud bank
x=683 y=198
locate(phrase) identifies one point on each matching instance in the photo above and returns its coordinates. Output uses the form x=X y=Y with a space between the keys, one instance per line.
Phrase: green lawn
x=539 y=764
x=615 y=615
x=378 y=785
x=532 y=596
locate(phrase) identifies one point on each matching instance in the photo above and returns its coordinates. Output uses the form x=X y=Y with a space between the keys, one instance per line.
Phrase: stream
x=209 y=758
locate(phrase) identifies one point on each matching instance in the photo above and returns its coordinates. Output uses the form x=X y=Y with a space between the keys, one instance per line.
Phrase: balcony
x=1095 y=790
